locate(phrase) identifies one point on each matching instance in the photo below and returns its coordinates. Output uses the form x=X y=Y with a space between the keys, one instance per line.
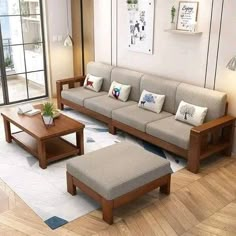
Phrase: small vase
x=48 y=120
x=172 y=26
x=132 y=7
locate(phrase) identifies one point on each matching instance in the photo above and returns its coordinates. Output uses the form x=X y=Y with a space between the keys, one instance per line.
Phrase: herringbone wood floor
x=203 y=204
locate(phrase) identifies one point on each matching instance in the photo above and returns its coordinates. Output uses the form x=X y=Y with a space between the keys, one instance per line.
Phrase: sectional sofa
x=194 y=143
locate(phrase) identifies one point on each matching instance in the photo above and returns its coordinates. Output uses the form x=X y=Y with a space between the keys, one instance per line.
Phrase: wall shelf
x=182 y=32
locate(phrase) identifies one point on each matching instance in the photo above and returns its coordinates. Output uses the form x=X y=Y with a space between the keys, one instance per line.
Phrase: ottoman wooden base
x=108 y=205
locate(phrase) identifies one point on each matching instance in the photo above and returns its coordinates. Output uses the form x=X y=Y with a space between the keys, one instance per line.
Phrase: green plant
x=132 y=1
x=8 y=62
x=173 y=11
x=48 y=109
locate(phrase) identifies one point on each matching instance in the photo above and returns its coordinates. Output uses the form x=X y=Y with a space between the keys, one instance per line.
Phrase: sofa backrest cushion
x=161 y=86
x=101 y=70
x=215 y=101
x=128 y=77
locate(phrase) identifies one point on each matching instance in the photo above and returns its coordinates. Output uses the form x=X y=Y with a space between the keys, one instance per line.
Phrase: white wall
x=180 y=57
x=60 y=58
x=226 y=80
x=102 y=30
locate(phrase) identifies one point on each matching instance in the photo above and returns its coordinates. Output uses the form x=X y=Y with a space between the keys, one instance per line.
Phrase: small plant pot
x=48 y=120
x=132 y=7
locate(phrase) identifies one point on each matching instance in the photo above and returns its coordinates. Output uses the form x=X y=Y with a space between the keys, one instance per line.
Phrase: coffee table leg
x=42 y=155
x=7 y=128
x=80 y=141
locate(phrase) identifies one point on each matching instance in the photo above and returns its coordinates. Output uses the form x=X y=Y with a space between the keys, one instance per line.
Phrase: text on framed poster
x=187 y=16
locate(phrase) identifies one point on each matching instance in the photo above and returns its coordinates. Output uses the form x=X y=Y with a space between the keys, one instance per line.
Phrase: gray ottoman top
x=118 y=169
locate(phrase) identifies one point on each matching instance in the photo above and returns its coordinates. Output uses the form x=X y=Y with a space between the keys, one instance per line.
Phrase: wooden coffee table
x=46 y=144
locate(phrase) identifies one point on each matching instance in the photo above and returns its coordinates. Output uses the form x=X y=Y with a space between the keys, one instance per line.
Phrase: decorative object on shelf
x=47 y=114
x=173 y=11
x=68 y=40
x=187 y=16
x=232 y=64
x=140 y=26
x=132 y=5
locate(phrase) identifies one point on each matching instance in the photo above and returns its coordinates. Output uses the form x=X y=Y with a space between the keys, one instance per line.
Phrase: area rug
x=45 y=190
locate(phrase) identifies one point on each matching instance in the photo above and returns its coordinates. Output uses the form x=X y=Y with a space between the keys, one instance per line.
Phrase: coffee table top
x=34 y=125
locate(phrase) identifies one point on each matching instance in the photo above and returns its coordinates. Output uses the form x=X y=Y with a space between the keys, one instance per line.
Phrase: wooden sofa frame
x=109 y=205
x=212 y=137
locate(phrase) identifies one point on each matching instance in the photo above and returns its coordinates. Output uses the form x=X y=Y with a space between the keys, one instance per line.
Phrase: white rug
x=45 y=190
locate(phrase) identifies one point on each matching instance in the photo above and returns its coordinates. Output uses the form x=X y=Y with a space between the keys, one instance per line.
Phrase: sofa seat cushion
x=171 y=131
x=118 y=169
x=105 y=105
x=78 y=95
x=137 y=117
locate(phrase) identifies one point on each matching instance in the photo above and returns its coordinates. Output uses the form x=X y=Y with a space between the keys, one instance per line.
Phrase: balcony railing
x=8 y=61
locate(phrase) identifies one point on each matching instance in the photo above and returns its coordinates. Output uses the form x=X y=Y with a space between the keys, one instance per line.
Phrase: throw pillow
x=119 y=91
x=151 y=101
x=93 y=83
x=191 y=114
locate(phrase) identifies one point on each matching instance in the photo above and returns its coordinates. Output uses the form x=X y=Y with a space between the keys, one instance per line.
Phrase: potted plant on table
x=47 y=113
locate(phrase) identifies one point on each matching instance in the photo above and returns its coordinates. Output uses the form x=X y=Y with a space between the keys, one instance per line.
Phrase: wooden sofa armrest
x=214 y=124
x=71 y=84
x=71 y=81
x=212 y=137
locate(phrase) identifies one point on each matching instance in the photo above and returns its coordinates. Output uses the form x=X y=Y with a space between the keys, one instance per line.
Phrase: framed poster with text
x=187 y=15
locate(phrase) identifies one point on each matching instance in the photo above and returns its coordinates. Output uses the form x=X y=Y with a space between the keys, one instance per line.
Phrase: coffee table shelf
x=56 y=148
x=45 y=143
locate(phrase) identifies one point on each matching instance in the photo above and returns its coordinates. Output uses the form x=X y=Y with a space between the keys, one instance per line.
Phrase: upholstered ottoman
x=118 y=174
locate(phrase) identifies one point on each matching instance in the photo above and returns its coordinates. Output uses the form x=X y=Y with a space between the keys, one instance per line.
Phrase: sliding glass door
x=23 y=52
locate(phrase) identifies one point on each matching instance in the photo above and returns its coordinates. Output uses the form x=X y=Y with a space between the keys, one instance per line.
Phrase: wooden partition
x=83 y=34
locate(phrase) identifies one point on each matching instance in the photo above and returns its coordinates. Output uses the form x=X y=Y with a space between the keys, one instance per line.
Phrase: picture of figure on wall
x=141 y=21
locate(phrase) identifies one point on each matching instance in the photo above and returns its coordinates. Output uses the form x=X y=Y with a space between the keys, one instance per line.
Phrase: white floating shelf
x=182 y=32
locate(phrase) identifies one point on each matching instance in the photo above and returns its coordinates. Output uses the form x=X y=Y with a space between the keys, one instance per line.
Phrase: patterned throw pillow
x=119 y=91
x=93 y=83
x=191 y=114
x=151 y=101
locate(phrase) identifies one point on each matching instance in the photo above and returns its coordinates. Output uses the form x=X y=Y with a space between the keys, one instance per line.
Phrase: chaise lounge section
x=193 y=143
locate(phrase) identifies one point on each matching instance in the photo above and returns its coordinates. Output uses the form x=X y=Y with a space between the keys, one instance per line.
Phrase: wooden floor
x=203 y=204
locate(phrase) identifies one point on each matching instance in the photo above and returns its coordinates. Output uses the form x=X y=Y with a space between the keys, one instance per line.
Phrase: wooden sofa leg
x=71 y=188
x=194 y=152
x=112 y=129
x=107 y=210
x=193 y=164
x=228 y=134
x=60 y=106
x=166 y=187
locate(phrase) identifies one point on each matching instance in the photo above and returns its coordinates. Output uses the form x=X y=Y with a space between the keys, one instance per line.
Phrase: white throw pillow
x=119 y=91
x=191 y=114
x=93 y=82
x=151 y=101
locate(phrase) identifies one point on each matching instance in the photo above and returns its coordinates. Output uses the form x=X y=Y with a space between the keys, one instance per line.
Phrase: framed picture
x=187 y=16
x=141 y=26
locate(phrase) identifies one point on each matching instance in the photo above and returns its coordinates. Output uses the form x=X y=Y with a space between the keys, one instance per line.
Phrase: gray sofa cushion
x=162 y=86
x=101 y=70
x=105 y=105
x=118 y=169
x=171 y=131
x=215 y=101
x=137 y=117
x=78 y=95
x=128 y=77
